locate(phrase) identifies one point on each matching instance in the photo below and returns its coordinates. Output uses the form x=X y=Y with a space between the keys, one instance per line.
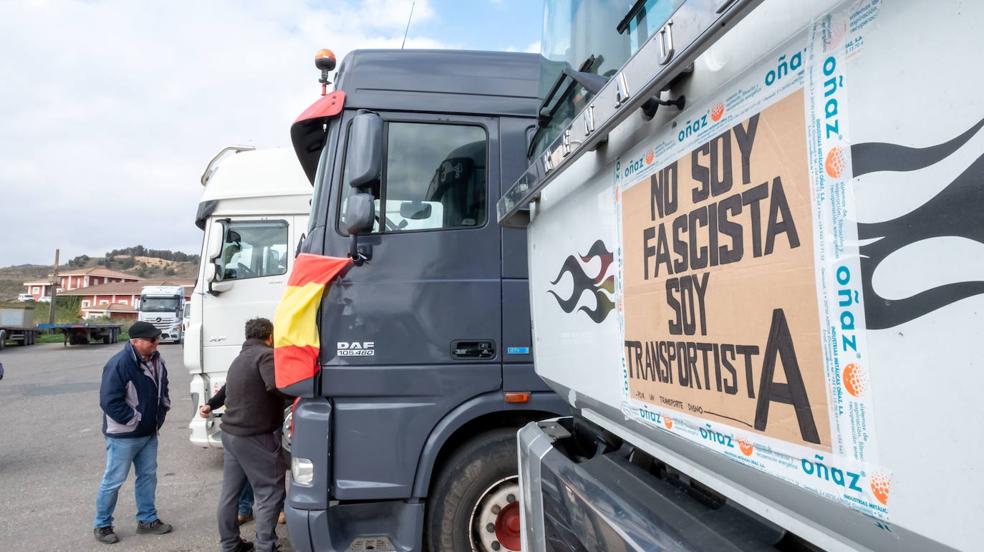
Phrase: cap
x=144 y=330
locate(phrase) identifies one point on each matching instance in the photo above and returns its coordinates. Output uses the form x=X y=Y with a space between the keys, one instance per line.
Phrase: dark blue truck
x=406 y=438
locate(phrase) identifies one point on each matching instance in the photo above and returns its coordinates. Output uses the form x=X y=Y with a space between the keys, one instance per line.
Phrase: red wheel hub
x=507 y=526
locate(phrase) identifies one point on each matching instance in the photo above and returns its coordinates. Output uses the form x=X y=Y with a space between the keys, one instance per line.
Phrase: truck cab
x=252 y=212
x=163 y=306
x=405 y=437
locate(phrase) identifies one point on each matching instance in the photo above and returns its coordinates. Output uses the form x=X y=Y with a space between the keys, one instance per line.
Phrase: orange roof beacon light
x=325 y=61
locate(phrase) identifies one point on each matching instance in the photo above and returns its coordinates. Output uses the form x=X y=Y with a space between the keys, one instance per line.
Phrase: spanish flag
x=295 y=326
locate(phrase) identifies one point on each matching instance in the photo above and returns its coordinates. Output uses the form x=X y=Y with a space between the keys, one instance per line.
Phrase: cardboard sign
x=720 y=301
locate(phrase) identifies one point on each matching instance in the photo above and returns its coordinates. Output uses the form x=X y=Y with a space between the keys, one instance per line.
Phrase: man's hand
x=204 y=411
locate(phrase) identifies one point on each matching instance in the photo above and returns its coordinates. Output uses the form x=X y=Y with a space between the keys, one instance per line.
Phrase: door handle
x=472 y=349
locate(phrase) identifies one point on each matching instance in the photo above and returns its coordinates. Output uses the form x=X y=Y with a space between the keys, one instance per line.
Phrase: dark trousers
x=259 y=460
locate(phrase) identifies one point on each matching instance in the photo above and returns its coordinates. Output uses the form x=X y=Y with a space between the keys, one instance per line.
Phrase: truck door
x=417 y=329
x=252 y=272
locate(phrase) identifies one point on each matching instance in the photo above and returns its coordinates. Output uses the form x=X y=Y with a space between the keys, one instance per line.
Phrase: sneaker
x=105 y=535
x=244 y=518
x=156 y=527
x=244 y=546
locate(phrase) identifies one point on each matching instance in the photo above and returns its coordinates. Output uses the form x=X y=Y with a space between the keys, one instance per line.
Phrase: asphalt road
x=52 y=454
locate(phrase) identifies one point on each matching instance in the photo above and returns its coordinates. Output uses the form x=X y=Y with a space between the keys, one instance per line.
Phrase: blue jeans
x=120 y=453
x=246 y=500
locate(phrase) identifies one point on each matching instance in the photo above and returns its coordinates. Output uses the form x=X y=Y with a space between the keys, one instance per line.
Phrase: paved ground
x=52 y=455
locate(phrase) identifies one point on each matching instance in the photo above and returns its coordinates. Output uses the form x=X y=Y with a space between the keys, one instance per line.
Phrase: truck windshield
x=159 y=304
x=593 y=36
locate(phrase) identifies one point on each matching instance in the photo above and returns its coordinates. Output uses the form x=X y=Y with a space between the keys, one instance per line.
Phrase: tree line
x=166 y=254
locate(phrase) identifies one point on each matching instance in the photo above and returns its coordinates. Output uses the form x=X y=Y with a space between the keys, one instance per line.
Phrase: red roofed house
x=77 y=279
x=119 y=299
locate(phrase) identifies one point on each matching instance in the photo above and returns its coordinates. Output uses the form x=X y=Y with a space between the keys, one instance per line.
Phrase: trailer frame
x=85 y=333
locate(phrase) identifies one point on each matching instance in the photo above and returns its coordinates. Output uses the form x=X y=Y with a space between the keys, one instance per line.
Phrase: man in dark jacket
x=254 y=414
x=134 y=399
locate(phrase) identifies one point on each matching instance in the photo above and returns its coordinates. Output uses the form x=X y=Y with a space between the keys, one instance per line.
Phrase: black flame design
x=955 y=211
x=597 y=285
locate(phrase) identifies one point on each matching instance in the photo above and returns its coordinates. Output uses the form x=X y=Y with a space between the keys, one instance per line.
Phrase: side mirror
x=365 y=150
x=360 y=213
x=215 y=239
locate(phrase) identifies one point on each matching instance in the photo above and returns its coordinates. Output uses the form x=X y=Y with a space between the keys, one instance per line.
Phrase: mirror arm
x=300 y=242
x=214 y=289
x=359 y=255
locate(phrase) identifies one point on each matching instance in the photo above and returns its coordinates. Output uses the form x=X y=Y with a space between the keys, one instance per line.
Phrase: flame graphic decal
x=601 y=287
x=949 y=213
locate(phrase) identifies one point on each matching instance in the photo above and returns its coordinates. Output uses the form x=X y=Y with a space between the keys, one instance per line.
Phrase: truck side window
x=434 y=178
x=254 y=250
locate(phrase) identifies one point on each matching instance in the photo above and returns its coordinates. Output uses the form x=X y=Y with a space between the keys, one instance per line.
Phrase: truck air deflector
x=693 y=28
x=308 y=133
x=205 y=210
x=325 y=108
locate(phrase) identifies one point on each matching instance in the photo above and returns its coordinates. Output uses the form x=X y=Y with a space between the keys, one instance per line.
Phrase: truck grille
x=163 y=324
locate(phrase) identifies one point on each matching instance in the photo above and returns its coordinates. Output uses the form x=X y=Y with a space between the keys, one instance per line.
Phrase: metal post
x=54 y=292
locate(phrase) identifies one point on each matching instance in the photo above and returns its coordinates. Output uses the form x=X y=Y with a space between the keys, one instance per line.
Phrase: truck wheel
x=3 y=339
x=474 y=504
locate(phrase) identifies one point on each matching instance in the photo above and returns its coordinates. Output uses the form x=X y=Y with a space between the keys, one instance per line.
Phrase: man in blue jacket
x=134 y=400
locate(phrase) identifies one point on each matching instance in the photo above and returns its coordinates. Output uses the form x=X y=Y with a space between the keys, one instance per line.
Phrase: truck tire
x=474 y=503
x=3 y=339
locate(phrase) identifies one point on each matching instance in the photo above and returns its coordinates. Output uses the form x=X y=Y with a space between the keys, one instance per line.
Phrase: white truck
x=253 y=211
x=163 y=306
x=756 y=266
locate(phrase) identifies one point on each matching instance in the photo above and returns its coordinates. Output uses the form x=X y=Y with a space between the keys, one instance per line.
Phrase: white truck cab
x=253 y=212
x=163 y=306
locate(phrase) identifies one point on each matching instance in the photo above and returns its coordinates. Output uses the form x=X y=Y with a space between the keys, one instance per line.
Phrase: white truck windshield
x=159 y=304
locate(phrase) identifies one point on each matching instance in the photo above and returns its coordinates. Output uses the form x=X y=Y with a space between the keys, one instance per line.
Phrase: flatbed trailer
x=83 y=333
x=22 y=335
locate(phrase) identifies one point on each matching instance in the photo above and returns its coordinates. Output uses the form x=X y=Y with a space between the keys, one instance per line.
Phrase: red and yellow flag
x=296 y=342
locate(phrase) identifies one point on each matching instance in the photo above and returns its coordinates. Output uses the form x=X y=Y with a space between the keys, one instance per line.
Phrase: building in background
x=78 y=279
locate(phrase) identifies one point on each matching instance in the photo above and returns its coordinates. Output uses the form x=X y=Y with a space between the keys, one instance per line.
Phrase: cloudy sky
x=109 y=110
